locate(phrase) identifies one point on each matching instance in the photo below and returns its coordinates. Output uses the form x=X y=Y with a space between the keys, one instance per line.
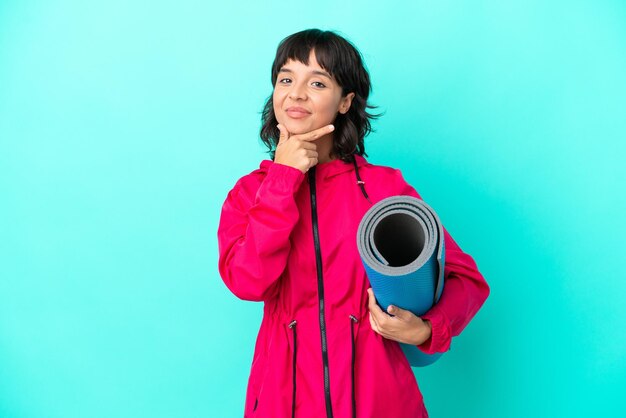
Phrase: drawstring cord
x=292 y=325
x=360 y=182
x=354 y=321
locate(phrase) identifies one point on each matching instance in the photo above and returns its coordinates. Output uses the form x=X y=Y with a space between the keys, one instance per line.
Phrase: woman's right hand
x=299 y=151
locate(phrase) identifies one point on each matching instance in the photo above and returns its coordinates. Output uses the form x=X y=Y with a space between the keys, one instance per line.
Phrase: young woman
x=287 y=237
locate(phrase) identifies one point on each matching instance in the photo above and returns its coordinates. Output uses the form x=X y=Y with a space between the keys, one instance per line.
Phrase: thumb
x=284 y=133
x=398 y=312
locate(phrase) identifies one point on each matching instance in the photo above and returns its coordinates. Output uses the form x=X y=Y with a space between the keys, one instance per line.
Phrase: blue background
x=124 y=124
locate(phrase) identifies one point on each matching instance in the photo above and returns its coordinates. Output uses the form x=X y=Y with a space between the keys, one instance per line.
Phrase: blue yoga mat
x=401 y=243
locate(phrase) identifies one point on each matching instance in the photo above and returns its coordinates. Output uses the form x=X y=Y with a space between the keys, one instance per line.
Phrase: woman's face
x=306 y=97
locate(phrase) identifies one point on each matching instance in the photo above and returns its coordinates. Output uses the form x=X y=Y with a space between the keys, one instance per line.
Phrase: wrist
x=429 y=325
x=427 y=331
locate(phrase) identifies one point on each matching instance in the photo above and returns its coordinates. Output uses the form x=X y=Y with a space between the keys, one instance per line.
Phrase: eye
x=318 y=84
x=284 y=80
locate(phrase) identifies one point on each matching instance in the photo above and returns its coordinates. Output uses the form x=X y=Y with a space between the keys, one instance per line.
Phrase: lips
x=297 y=112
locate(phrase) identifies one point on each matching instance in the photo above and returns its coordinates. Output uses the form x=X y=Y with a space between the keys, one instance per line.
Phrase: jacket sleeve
x=464 y=292
x=253 y=234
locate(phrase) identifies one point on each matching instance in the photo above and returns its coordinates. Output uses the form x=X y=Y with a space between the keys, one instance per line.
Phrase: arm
x=464 y=292
x=253 y=234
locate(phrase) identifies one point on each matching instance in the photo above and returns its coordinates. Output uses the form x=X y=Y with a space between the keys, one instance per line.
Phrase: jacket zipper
x=320 y=291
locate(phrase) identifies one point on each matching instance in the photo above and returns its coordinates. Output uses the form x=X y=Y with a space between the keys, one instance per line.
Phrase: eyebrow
x=317 y=72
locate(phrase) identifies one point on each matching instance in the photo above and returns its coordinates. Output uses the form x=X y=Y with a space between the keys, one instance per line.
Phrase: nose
x=297 y=92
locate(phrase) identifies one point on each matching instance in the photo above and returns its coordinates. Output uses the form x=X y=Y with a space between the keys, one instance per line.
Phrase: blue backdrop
x=124 y=124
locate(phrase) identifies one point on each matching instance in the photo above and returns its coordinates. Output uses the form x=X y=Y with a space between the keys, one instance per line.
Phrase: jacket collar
x=326 y=170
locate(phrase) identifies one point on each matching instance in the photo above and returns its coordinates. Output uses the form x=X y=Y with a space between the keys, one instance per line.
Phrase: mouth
x=297 y=112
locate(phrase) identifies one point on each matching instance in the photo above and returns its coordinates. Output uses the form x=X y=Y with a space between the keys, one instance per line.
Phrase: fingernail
x=331 y=127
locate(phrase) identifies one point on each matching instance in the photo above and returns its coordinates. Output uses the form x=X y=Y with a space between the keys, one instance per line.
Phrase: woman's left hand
x=404 y=326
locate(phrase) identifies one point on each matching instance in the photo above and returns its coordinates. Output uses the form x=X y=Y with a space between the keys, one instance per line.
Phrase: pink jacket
x=316 y=354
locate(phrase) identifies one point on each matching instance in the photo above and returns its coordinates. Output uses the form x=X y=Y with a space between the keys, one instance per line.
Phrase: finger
x=318 y=133
x=308 y=145
x=311 y=153
x=373 y=323
x=312 y=156
x=400 y=313
x=370 y=307
x=378 y=313
x=284 y=133
x=380 y=331
x=374 y=308
x=395 y=311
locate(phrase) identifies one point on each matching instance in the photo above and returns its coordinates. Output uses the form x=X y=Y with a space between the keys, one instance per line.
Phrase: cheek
x=328 y=110
x=277 y=103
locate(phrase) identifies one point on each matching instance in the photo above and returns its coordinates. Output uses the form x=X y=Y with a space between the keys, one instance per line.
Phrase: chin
x=296 y=128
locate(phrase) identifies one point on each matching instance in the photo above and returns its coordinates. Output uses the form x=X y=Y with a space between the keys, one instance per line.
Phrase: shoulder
x=388 y=179
x=384 y=173
x=247 y=186
x=382 y=170
x=255 y=177
x=377 y=171
x=269 y=179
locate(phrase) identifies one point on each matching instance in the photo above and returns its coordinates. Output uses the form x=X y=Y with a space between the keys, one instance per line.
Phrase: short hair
x=342 y=61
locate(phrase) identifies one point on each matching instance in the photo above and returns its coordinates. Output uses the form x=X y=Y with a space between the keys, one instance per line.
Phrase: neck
x=324 y=148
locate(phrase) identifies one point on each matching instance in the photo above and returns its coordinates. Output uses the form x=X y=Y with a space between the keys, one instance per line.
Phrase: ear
x=345 y=103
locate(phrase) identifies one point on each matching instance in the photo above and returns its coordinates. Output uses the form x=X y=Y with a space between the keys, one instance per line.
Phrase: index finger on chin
x=317 y=133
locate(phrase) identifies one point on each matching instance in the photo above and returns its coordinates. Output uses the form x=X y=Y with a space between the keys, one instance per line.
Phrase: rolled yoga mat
x=401 y=243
